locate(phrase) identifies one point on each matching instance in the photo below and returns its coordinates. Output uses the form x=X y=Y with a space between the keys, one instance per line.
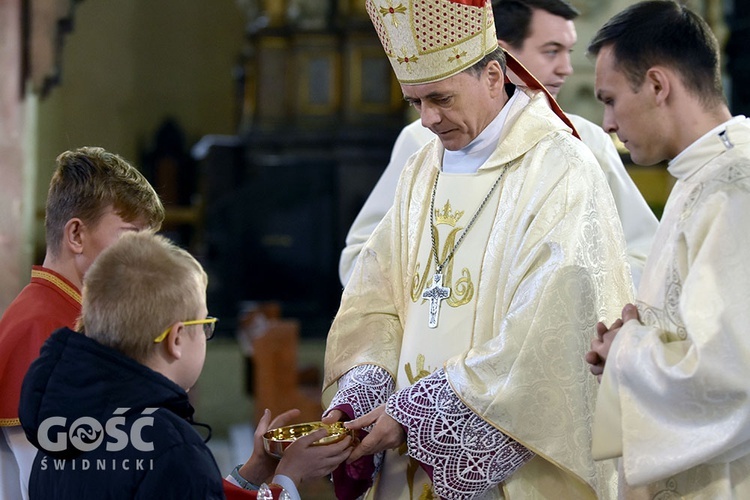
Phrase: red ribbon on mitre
x=531 y=82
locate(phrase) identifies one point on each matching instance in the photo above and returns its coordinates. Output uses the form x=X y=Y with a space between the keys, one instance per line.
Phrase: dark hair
x=663 y=32
x=513 y=17
x=86 y=182
x=477 y=68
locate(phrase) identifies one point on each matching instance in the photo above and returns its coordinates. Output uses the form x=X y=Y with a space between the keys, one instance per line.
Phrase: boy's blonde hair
x=137 y=288
x=86 y=182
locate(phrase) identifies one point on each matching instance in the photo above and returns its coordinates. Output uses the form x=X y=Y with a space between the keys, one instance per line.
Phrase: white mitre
x=431 y=40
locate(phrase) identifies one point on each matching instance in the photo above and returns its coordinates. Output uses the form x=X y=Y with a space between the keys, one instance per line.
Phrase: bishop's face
x=458 y=108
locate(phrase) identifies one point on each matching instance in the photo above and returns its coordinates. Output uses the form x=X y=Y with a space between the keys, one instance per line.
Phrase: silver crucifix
x=436 y=293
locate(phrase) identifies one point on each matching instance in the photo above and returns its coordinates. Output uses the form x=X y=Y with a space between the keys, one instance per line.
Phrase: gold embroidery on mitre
x=407 y=59
x=447 y=216
x=392 y=11
x=378 y=24
x=457 y=55
x=432 y=30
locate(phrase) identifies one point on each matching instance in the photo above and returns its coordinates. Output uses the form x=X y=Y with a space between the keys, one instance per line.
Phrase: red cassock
x=47 y=303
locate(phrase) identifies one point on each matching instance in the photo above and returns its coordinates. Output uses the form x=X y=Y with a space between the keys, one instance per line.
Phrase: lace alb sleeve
x=363 y=388
x=467 y=454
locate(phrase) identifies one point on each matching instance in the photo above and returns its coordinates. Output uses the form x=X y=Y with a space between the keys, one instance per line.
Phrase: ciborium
x=277 y=440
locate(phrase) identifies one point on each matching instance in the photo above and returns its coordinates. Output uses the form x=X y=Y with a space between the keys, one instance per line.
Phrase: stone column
x=13 y=268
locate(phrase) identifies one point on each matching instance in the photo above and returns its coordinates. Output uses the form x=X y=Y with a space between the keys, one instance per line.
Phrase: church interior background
x=263 y=124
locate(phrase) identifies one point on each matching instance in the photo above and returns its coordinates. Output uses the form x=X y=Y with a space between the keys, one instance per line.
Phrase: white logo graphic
x=87 y=433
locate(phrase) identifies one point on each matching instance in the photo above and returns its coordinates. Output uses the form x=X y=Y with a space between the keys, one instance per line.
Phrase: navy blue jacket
x=108 y=427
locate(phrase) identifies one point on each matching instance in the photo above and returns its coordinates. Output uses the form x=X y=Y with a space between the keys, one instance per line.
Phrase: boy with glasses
x=108 y=409
x=94 y=197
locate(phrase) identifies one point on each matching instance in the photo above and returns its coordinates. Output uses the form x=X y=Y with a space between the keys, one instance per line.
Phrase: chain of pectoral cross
x=437 y=292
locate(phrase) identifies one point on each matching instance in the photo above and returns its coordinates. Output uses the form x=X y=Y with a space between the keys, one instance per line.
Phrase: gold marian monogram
x=463 y=288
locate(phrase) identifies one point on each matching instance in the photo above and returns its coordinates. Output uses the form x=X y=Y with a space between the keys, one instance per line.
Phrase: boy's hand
x=302 y=461
x=260 y=466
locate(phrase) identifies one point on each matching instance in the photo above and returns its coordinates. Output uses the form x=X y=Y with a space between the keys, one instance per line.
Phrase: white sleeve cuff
x=288 y=485
x=228 y=478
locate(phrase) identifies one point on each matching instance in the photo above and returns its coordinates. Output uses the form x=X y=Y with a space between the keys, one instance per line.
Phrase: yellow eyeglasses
x=209 y=326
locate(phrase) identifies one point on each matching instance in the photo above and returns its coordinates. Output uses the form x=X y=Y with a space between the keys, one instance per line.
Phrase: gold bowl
x=276 y=441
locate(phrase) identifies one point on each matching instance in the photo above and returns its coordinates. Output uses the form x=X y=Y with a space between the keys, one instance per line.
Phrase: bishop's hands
x=600 y=345
x=385 y=434
x=303 y=460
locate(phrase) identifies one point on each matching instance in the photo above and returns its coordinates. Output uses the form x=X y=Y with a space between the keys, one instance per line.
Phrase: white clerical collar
x=471 y=157
x=701 y=151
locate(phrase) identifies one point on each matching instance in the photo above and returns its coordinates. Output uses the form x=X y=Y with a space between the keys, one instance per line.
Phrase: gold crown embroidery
x=447 y=216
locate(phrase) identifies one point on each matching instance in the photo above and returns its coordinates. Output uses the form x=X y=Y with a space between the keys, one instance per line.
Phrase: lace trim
x=468 y=455
x=364 y=388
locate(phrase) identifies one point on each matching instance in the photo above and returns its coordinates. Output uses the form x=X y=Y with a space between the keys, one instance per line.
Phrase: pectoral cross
x=436 y=294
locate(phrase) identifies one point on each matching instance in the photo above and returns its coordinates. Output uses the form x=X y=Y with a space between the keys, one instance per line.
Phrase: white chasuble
x=675 y=396
x=544 y=261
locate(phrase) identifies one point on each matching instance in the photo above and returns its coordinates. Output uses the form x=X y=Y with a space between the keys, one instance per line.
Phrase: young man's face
x=458 y=108
x=101 y=235
x=631 y=114
x=546 y=51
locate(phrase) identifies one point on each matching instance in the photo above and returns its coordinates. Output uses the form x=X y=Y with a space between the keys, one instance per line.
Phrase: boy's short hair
x=137 y=288
x=86 y=182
